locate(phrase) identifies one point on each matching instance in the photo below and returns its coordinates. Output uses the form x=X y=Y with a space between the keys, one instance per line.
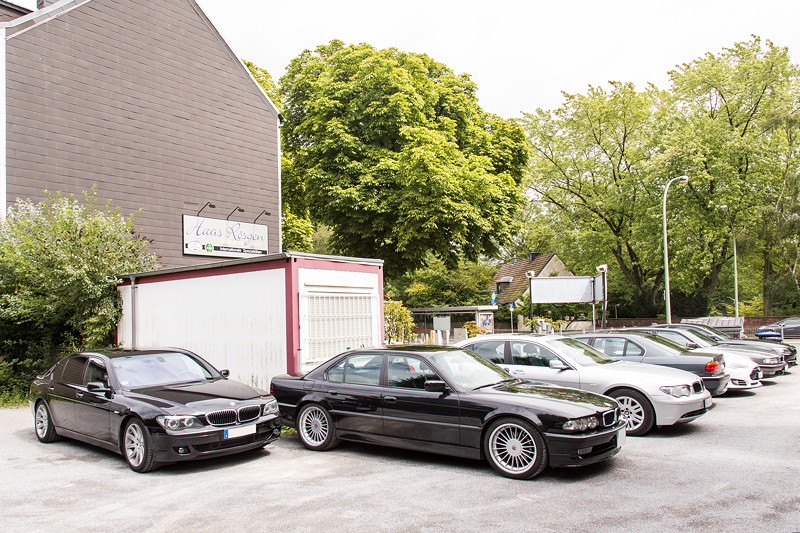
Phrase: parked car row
x=521 y=402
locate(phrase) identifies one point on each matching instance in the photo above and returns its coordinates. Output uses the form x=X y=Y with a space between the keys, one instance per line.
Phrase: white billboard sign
x=566 y=289
x=223 y=238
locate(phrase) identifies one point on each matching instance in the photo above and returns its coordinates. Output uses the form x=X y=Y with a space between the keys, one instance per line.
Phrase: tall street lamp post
x=682 y=179
x=735 y=265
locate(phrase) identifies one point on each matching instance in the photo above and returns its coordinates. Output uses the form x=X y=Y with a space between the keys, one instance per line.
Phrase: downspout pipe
x=133 y=312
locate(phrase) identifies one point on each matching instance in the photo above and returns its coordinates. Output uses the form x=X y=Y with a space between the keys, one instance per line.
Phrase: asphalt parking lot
x=735 y=469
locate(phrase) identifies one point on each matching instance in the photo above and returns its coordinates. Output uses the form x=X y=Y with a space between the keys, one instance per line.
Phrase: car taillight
x=712 y=367
x=271 y=389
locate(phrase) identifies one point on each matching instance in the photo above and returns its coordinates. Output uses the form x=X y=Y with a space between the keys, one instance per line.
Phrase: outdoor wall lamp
x=237 y=208
x=263 y=212
x=209 y=205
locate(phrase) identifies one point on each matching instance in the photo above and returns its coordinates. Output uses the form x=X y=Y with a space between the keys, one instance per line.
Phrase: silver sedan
x=649 y=395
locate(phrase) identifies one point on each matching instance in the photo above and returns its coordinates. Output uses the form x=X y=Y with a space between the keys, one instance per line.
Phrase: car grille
x=697 y=387
x=226 y=417
x=610 y=417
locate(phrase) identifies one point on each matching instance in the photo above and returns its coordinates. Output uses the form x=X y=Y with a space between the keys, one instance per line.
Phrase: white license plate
x=707 y=403
x=232 y=433
x=621 y=436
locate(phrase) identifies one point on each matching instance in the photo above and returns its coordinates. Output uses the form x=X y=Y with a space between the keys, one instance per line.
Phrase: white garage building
x=257 y=317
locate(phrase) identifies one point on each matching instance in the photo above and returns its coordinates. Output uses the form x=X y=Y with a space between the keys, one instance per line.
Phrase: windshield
x=580 y=353
x=469 y=370
x=701 y=340
x=669 y=346
x=147 y=370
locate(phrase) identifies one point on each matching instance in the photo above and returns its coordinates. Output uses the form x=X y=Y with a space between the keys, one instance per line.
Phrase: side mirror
x=225 y=373
x=558 y=364
x=99 y=387
x=436 y=386
x=691 y=345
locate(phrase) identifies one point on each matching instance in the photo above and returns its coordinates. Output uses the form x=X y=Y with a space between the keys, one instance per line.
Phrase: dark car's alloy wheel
x=45 y=431
x=136 y=447
x=315 y=427
x=515 y=448
x=635 y=410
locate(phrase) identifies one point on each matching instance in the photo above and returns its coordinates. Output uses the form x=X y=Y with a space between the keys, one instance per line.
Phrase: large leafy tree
x=737 y=136
x=592 y=176
x=398 y=158
x=435 y=285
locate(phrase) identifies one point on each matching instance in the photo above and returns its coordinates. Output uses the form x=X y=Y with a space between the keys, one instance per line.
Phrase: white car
x=745 y=373
x=649 y=395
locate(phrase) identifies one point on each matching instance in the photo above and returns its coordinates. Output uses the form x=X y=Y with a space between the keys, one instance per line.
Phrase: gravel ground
x=736 y=469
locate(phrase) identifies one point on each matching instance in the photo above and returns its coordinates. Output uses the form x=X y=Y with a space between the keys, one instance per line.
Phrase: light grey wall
x=144 y=100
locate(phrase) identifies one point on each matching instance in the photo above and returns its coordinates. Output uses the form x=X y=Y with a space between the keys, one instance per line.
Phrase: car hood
x=566 y=401
x=639 y=372
x=200 y=395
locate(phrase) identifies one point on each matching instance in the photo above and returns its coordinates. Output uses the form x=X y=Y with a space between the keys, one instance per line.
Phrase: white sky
x=521 y=54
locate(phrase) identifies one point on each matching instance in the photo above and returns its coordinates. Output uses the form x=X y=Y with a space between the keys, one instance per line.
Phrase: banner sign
x=567 y=289
x=223 y=238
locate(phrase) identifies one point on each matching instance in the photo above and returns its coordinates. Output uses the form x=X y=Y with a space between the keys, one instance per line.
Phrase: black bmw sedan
x=449 y=401
x=152 y=406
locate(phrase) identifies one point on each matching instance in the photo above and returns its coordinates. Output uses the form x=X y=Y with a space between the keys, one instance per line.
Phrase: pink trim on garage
x=292 y=318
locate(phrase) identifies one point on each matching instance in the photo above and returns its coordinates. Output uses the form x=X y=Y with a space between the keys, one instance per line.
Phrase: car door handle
x=51 y=388
x=518 y=372
x=333 y=392
x=79 y=394
x=506 y=368
x=390 y=399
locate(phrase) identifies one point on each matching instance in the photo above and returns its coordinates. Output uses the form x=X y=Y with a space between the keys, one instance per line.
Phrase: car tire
x=636 y=410
x=515 y=448
x=43 y=424
x=136 y=447
x=315 y=428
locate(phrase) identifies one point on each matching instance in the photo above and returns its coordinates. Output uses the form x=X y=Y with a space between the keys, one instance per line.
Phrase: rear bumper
x=169 y=447
x=716 y=385
x=581 y=450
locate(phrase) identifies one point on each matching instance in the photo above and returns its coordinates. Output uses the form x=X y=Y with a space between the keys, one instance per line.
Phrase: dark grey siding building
x=144 y=100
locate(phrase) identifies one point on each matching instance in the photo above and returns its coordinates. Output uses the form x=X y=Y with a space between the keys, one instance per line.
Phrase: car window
x=490 y=350
x=677 y=337
x=73 y=370
x=633 y=350
x=364 y=369
x=95 y=372
x=611 y=346
x=531 y=354
x=409 y=372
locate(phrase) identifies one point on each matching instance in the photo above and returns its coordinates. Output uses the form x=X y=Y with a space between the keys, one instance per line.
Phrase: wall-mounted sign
x=223 y=238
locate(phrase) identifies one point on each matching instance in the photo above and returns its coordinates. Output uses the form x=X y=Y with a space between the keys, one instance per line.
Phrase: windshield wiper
x=493 y=384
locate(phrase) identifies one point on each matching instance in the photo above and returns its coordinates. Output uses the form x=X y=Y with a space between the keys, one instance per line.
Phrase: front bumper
x=172 y=446
x=585 y=449
x=773 y=370
x=742 y=379
x=670 y=410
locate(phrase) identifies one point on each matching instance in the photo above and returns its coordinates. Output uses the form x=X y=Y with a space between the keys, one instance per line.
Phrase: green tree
x=398 y=158
x=437 y=286
x=264 y=79
x=592 y=177
x=737 y=138
x=397 y=322
x=59 y=267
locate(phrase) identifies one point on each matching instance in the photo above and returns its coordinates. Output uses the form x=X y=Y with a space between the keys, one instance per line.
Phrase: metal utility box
x=257 y=317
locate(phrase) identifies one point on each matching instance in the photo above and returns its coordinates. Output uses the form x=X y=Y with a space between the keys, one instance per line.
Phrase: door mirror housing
x=692 y=345
x=98 y=387
x=436 y=386
x=558 y=364
x=225 y=373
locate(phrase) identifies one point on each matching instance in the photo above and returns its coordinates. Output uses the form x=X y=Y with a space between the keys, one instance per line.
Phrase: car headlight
x=678 y=391
x=771 y=361
x=178 y=422
x=580 y=424
x=271 y=407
